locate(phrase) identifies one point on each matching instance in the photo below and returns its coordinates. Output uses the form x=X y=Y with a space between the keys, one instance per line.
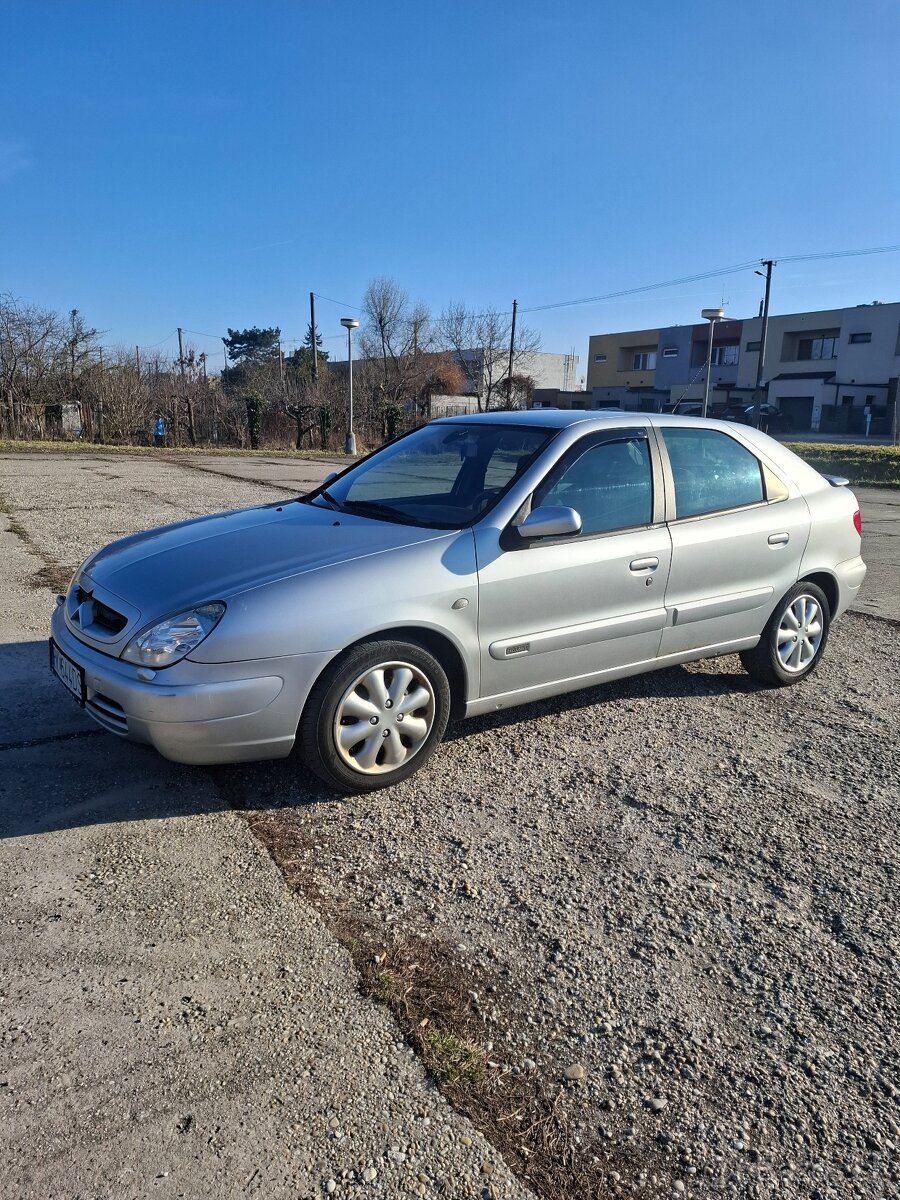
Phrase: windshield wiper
x=371 y=508
x=325 y=495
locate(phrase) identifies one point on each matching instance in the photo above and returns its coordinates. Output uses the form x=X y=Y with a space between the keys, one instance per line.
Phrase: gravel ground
x=687 y=887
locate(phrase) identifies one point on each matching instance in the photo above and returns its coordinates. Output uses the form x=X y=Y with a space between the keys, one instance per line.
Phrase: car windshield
x=444 y=475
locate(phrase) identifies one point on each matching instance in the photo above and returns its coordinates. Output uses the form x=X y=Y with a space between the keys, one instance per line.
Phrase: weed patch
x=452 y=1013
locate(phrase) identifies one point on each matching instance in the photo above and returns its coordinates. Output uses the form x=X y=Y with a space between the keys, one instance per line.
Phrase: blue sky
x=208 y=164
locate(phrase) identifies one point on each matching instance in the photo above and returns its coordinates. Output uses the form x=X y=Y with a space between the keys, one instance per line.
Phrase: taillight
x=857 y=522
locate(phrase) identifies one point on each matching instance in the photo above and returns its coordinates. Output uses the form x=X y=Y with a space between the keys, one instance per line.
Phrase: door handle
x=779 y=539
x=643 y=564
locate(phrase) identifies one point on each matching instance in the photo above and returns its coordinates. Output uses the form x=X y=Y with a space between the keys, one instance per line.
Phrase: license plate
x=67 y=672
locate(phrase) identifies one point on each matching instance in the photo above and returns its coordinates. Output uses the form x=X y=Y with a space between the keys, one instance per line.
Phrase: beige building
x=824 y=369
x=622 y=359
x=834 y=370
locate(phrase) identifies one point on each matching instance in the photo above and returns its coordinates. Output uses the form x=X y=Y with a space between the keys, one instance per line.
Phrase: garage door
x=796 y=412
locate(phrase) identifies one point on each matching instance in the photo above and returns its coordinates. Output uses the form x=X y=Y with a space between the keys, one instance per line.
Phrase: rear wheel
x=375 y=716
x=793 y=639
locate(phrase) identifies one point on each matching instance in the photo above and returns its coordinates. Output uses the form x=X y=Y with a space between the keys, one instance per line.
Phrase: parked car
x=768 y=417
x=477 y=563
x=694 y=408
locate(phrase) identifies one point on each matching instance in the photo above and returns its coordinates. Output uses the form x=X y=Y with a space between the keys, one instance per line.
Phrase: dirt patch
x=453 y=1015
x=52 y=576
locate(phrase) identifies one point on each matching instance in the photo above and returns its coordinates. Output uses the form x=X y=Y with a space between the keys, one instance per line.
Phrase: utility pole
x=137 y=360
x=757 y=397
x=100 y=402
x=312 y=325
x=512 y=346
x=175 y=404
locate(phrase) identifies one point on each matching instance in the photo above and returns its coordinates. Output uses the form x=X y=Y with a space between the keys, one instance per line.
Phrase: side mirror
x=328 y=478
x=550 y=522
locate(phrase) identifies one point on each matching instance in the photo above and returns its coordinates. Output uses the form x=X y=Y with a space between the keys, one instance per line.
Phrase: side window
x=608 y=484
x=712 y=472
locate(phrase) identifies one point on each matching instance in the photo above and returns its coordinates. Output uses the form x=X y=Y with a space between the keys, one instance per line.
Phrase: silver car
x=474 y=564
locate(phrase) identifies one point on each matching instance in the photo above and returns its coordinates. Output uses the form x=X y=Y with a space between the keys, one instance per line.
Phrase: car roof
x=544 y=418
x=563 y=418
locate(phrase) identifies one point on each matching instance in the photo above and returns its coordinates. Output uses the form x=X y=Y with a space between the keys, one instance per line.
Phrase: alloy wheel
x=799 y=634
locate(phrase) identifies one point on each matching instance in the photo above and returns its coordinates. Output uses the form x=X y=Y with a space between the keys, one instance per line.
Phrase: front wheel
x=793 y=639
x=375 y=716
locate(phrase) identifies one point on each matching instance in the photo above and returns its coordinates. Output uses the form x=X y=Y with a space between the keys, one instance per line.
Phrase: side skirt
x=486 y=704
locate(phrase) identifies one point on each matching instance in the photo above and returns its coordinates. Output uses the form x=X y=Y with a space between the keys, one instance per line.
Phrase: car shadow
x=718 y=677
x=59 y=770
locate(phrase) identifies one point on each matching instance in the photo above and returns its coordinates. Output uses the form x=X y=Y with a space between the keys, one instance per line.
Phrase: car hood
x=215 y=557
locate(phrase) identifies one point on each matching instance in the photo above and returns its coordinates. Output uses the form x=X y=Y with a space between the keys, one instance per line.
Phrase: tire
x=793 y=639
x=395 y=696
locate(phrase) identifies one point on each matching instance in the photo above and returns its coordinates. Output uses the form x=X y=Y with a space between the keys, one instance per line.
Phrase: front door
x=554 y=613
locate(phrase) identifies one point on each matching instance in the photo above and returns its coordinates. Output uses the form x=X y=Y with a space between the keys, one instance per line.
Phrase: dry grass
x=873 y=466
x=9 y=446
x=451 y=1013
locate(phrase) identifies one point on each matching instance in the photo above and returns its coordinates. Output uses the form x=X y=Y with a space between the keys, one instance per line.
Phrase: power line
x=153 y=345
x=339 y=303
x=616 y=295
x=196 y=332
x=649 y=287
x=839 y=254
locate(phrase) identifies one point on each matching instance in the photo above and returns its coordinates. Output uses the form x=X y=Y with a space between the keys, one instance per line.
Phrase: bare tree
x=396 y=341
x=30 y=344
x=479 y=343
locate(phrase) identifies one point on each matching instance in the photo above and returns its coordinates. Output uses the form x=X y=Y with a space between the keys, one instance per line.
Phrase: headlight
x=169 y=641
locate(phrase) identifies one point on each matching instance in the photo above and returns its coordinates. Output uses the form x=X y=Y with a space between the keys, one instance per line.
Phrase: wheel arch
x=443 y=648
x=829 y=585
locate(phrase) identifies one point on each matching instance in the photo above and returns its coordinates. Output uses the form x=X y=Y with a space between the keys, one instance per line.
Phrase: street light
x=712 y=315
x=350 y=324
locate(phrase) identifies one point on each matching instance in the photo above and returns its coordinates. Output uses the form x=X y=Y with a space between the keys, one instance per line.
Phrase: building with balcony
x=835 y=370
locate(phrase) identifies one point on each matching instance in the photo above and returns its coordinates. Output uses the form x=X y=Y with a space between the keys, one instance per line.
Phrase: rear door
x=555 y=611
x=738 y=535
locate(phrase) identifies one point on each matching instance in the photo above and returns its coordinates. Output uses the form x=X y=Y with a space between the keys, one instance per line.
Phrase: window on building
x=750 y=346
x=712 y=472
x=644 y=360
x=670 y=352
x=860 y=339
x=725 y=356
x=599 y=358
x=608 y=485
x=811 y=349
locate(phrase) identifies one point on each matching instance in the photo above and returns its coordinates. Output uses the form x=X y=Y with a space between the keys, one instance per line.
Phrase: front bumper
x=197 y=712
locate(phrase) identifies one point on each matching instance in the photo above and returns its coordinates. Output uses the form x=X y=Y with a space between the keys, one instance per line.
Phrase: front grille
x=109 y=714
x=108 y=618
x=92 y=615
